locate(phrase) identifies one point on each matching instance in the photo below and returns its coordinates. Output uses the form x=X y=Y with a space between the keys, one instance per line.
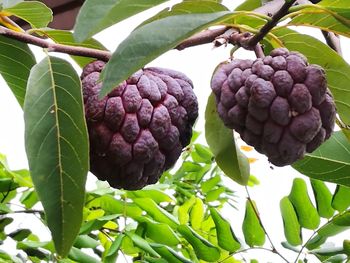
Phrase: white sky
x=198 y=63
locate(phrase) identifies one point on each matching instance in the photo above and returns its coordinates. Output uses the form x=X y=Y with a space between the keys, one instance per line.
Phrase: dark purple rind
x=279 y=104
x=139 y=129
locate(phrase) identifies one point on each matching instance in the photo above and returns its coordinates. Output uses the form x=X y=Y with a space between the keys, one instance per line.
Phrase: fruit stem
x=259 y=52
x=271 y=24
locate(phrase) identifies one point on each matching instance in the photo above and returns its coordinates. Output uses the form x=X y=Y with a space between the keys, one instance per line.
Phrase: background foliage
x=180 y=219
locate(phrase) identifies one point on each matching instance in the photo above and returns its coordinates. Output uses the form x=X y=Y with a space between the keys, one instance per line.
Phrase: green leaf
x=113 y=206
x=338 y=224
x=221 y=142
x=84 y=241
x=209 y=184
x=292 y=229
x=142 y=243
x=149 y=41
x=306 y=212
x=112 y=253
x=96 y=224
x=169 y=254
x=254 y=234
x=341 y=200
x=248 y=5
x=322 y=18
x=184 y=210
x=35 y=13
x=96 y=15
x=203 y=153
x=188 y=7
x=156 y=195
x=330 y=162
x=197 y=214
x=225 y=235
x=19 y=234
x=4 y=222
x=79 y=256
x=66 y=38
x=7 y=184
x=213 y=195
x=203 y=249
x=337 y=69
x=15 y=55
x=156 y=212
x=57 y=146
x=29 y=198
x=323 y=198
x=159 y=232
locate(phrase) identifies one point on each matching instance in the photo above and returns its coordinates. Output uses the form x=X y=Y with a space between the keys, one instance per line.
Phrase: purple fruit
x=138 y=130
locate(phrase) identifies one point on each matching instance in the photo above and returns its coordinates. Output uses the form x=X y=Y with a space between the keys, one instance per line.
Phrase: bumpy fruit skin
x=140 y=128
x=280 y=104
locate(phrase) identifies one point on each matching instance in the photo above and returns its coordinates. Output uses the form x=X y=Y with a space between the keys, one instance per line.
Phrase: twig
x=259 y=52
x=22 y=212
x=271 y=24
x=333 y=41
x=53 y=47
x=201 y=38
x=274 y=250
x=304 y=245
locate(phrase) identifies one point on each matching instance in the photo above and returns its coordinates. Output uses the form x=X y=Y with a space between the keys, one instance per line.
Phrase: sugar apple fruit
x=139 y=129
x=279 y=104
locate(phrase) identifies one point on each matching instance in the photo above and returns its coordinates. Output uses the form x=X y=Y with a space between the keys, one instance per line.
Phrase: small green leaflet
x=57 y=146
x=35 y=13
x=220 y=140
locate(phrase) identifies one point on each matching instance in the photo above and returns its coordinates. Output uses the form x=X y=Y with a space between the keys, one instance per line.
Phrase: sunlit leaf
x=35 y=13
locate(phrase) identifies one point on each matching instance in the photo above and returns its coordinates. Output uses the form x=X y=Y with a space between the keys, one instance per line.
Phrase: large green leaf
x=169 y=254
x=220 y=140
x=320 y=18
x=203 y=249
x=337 y=225
x=15 y=64
x=330 y=162
x=35 y=13
x=57 y=146
x=151 y=40
x=66 y=38
x=249 y=5
x=337 y=69
x=96 y=15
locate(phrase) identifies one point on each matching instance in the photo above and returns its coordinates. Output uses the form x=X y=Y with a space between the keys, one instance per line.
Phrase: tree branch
x=53 y=47
x=203 y=37
x=271 y=24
